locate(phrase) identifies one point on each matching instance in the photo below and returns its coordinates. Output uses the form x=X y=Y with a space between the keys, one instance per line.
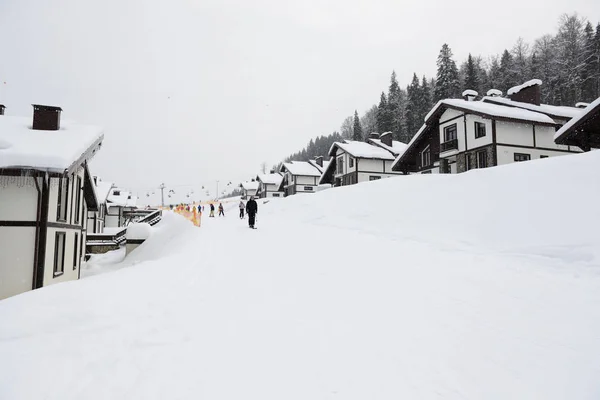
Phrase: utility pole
x=217 y=190
x=162 y=194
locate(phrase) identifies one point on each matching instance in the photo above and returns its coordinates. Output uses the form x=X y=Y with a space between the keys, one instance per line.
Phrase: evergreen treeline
x=568 y=63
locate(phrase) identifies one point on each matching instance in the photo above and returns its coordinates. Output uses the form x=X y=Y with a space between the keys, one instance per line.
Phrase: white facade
x=351 y=170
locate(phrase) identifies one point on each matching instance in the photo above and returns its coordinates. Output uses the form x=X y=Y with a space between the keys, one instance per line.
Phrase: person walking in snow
x=251 y=210
x=212 y=210
x=221 y=212
x=242 y=208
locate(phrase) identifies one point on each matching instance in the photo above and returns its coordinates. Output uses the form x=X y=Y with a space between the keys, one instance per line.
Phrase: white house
x=116 y=203
x=249 y=188
x=459 y=135
x=269 y=185
x=45 y=193
x=582 y=131
x=300 y=176
x=95 y=223
x=354 y=162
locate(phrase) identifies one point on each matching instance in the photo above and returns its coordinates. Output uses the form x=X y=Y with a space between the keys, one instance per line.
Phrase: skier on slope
x=221 y=211
x=252 y=210
x=242 y=208
x=212 y=210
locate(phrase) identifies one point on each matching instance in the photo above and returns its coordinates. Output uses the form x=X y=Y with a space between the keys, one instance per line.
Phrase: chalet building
x=116 y=203
x=269 y=185
x=95 y=223
x=582 y=131
x=354 y=162
x=249 y=189
x=301 y=176
x=528 y=97
x=46 y=191
x=459 y=135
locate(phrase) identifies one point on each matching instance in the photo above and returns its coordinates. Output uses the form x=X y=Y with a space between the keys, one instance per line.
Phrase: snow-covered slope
x=484 y=285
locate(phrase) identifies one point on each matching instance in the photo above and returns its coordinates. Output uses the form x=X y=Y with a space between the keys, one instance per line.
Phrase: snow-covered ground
x=484 y=285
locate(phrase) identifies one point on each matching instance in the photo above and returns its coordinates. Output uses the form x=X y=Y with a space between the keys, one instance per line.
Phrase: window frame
x=428 y=151
x=543 y=156
x=62 y=201
x=374 y=178
x=350 y=162
x=479 y=156
x=524 y=156
x=478 y=125
x=308 y=189
x=454 y=127
x=340 y=165
x=58 y=237
x=75 y=250
x=468 y=165
x=77 y=181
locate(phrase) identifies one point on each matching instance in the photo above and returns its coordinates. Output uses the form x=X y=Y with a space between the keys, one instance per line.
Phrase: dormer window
x=116 y=192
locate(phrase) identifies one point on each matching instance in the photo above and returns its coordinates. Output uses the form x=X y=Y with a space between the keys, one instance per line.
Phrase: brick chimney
x=2 y=109
x=528 y=92
x=46 y=118
x=319 y=161
x=373 y=135
x=386 y=139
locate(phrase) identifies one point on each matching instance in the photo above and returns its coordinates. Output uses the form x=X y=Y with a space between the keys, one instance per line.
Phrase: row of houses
x=457 y=135
x=52 y=209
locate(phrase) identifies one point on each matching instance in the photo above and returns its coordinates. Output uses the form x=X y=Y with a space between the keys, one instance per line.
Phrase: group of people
x=212 y=210
x=251 y=208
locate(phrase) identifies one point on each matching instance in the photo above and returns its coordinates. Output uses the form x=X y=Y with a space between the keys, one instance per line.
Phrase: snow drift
x=483 y=285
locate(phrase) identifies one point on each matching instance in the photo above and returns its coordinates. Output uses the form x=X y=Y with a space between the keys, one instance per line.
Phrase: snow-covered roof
x=469 y=92
x=518 y=88
x=317 y=166
x=118 y=197
x=302 y=168
x=131 y=201
x=493 y=110
x=581 y=104
x=362 y=150
x=250 y=185
x=270 y=179
x=53 y=151
x=494 y=92
x=396 y=149
x=557 y=111
x=576 y=120
x=102 y=190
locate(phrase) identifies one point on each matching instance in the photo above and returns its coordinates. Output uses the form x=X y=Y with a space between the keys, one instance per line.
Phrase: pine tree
x=347 y=128
x=384 y=122
x=506 y=72
x=368 y=121
x=589 y=71
x=413 y=104
x=471 y=75
x=396 y=108
x=426 y=99
x=357 y=129
x=447 y=81
x=520 y=54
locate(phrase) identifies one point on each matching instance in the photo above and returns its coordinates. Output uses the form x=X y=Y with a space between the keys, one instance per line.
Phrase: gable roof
x=587 y=123
x=413 y=142
x=317 y=166
x=270 y=179
x=361 y=150
x=54 y=151
x=396 y=149
x=562 y=112
x=102 y=190
x=250 y=185
x=118 y=199
x=301 y=168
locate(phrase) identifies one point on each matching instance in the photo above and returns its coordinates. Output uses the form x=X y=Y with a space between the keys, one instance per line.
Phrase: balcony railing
x=449 y=145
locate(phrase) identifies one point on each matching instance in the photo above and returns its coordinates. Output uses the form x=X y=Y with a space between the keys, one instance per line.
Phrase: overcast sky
x=191 y=91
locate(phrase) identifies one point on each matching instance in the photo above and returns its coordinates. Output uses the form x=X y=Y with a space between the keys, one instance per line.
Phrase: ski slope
x=484 y=285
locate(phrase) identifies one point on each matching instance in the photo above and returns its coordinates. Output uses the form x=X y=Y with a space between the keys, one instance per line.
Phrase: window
x=78 y=201
x=444 y=166
x=468 y=162
x=426 y=172
x=426 y=157
x=522 y=157
x=116 y=192
x=59 y=253
x=351 y=163
x=374 y=178
x=543 y=156
x=308 y=188
x=481 y=159
x=450 y=133
x=292 y=178
x=75 y=251
x=340 y=165
x=479 y=130
x=275 y=194
x=63 y=198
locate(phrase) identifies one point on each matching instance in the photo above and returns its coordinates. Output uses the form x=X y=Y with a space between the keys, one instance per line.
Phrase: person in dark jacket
x=212 y=210
x=251 y=210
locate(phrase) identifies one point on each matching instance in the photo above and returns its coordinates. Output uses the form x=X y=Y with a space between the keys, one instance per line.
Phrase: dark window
x=351 y=163
x=450 y=133
x=63 y=199
x=75 y=251
x=81 y=242
x=479 y=129
x=275 y=194
x=444 y=166
x=78 y=201
x=374 y=178
x=426 y=157
x=482 y=159
x=426 y=172
x=117 y=192
x=542 y=156
x=59 y=253
x=340 y=165
x=467 y=162
x=522 y=157
x=308 y=188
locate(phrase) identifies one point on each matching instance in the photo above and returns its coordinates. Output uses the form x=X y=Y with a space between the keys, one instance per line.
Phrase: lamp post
x=162 y=194
x=217 y=190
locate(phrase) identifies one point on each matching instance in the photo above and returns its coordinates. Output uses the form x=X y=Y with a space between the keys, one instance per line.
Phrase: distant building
x=249 y=189
x=46 y=191
x=354 y=162
x=269 y=185
x=582 y=131
x=95 y=223
x=301 y=176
